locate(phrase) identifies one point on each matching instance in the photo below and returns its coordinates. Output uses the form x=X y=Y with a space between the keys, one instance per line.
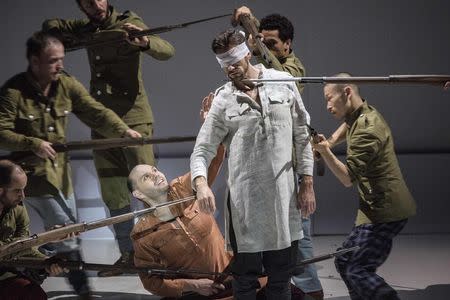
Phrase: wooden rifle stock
x=251 y=28
x=61 y=233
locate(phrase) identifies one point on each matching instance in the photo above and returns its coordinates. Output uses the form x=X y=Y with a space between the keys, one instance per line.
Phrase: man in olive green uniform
x=14 y=225
x=277 y=33
x=385 y=203
x=116 y=82
x=34 y=108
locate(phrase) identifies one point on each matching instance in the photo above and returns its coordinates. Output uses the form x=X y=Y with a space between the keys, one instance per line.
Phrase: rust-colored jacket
x=190 y=241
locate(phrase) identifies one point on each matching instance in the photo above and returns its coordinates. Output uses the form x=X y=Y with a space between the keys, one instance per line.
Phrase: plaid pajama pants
x=358 y=268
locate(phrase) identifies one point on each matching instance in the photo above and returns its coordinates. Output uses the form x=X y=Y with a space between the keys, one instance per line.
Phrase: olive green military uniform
x=27 y=118
x=116 y=82
x=14 y=225
x=373 y=166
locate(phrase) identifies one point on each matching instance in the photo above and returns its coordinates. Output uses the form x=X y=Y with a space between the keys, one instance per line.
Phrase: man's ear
x=34 y=61
x=137 y=194
x=288 y=43
x=347 y=91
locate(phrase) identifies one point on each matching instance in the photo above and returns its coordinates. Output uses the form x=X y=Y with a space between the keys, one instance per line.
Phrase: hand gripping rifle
x=62 y=232
x=96 y=40
x=320 y=165
x=250 y=26
x=25 y=157
x=390 y=79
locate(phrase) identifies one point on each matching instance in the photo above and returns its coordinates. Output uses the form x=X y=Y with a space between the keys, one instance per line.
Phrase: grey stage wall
x=362 y=37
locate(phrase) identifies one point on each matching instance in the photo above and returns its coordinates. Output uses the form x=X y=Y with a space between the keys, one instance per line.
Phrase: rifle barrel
x=118 y=143
x=405 y=79
x=145 y=32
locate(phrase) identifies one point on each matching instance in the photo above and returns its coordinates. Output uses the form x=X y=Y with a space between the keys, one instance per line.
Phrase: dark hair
x=39 y=41
x=224 y=40
x=280 y=23
x=7 y=168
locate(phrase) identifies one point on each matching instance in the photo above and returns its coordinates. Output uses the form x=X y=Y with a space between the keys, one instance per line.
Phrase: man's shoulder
x=14 y=83
x=19 y=212
x=371 y=123
x=224 y=90
x=128 y=14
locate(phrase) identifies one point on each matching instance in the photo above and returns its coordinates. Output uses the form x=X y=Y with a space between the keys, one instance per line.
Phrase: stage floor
x=418 y=267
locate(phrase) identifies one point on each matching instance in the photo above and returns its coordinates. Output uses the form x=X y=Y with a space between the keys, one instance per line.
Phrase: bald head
x=340 y=87
x=147 y=183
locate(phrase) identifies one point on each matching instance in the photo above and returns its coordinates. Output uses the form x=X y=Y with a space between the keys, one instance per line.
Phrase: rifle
x=393 y=79
x=27 y=157
x=62 y=232
x=320 y=166
x=36 y=263
x=92 y=41
x=251 y=28
x=326 y=256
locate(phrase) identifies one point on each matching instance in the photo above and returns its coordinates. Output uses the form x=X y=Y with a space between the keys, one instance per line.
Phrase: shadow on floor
x=68 y=295
x=434 y=292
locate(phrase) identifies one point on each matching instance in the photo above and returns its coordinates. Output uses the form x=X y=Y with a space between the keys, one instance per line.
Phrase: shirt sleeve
x=300 y=120
x=158 y=48
x=362 y=149
x=211 y=134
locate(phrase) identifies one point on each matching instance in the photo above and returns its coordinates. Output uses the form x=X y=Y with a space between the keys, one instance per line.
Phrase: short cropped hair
x=341 y=86
x=7 y=168
x=39 y=41
x=227 y=39
x=280 y=23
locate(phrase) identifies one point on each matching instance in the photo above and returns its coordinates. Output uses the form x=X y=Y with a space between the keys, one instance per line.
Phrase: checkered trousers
x=358 y=268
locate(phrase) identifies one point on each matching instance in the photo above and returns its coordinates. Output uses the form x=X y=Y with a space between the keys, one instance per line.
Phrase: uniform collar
x=353 y=116
x=284 y=59
x=35 y=85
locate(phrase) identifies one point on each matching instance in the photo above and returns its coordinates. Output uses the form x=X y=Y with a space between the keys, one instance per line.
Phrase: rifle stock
x=61 y=233
x=251 y=28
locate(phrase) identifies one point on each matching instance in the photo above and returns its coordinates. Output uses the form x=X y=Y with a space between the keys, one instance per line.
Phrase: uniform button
x=31 y=117
x=51 y=128
x=66 y=112
x=99 y=92
x=97 y=57
x=125 y=93
x=98 y=74
x=47 y=109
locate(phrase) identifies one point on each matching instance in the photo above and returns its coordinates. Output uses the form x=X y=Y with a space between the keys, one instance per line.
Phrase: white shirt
x=259 y=141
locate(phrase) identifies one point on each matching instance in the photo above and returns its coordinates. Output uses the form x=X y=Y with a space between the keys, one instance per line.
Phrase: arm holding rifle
x=287 y=63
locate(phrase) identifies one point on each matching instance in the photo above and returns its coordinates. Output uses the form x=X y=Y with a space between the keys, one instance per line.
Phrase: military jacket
x=116 y=79
x=27 y=118
x=14 y=225
x=373 y=166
